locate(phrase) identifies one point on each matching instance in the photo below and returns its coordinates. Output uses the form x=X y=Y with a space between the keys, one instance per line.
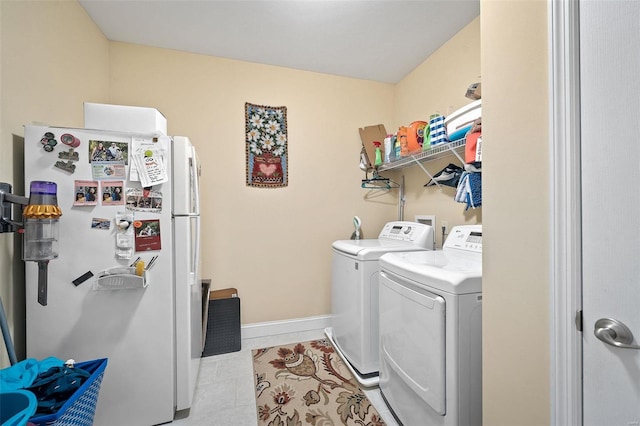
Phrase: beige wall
x=52 y=58
x=516 y=183
x=273 y=245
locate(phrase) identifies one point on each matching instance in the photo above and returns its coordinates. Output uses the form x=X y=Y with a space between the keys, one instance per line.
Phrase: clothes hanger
x=378 y=182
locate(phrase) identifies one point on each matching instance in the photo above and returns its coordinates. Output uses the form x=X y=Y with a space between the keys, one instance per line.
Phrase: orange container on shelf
x=415 y=136
x=402 y=138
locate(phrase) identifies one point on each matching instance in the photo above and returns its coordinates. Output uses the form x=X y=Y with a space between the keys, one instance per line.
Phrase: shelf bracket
x=426 y=172
x=457 y=156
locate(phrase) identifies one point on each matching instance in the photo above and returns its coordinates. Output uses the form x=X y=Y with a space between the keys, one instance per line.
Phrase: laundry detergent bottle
x=415 y=136
x=402 y=137
x=387 y=149
x=426 y=141
x=395 y=148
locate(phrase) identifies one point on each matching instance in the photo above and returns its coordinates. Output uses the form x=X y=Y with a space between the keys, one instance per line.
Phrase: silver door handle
x=614 y=333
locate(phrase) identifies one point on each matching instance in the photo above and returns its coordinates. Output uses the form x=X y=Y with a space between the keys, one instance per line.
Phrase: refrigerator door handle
x=196 y=254
x=195 y=178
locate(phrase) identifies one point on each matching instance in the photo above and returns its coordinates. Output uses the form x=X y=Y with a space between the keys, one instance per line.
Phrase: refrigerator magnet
x=111 y=191
x=48 y=141
x=67 y=166
x=86 y=192
x=147 y=235
x=108 y=170
x=70 y=140
x=108 y=151
x=100 y=223
x=143 y=200
x=150 y=167
x=160 y=146
x=70 y=155
x=82 y=278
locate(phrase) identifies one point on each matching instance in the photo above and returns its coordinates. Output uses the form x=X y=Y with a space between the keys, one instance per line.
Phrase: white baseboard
x=295 y=325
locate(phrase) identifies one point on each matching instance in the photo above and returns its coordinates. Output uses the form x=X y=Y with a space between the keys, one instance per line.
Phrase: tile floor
x=225 y=393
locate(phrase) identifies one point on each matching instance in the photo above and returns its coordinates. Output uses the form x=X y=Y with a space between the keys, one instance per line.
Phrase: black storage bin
x=223 y=323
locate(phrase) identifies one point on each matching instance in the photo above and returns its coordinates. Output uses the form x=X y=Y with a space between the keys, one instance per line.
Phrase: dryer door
x=412 y=340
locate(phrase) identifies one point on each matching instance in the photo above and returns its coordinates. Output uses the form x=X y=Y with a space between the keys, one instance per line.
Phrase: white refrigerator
x=148 y=320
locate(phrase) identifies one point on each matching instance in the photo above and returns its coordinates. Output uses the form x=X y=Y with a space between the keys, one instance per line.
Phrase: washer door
x=412 y=339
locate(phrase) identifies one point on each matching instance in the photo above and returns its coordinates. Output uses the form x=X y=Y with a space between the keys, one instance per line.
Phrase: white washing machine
x=431 y=332
x=354 y=296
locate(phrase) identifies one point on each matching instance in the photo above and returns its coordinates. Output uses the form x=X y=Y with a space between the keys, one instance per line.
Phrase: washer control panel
x=416 y=233
x=465 y=237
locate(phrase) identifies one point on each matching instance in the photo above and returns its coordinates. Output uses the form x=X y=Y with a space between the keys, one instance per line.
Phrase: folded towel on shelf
x=475 y=183
x=461 y=190
x=470 y=190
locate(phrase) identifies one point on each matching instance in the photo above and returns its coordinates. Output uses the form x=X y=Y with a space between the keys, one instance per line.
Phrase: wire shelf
x=435 y=152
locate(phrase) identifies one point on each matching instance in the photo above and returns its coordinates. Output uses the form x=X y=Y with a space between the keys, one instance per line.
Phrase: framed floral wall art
x=266 y=145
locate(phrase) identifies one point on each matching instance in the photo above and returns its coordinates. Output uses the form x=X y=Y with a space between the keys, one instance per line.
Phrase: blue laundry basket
x=16 y=407
x=81 y=407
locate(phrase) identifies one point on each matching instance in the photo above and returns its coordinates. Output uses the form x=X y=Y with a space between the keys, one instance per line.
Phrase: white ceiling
x=373 y=40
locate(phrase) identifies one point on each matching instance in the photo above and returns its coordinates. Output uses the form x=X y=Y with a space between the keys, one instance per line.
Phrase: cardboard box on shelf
x=370 y=134
x=474 y=92
x=122 y=118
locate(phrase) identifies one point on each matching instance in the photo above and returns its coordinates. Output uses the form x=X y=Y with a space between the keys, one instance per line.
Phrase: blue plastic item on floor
x=80 y=409
x=16 y=407
x=22 y=374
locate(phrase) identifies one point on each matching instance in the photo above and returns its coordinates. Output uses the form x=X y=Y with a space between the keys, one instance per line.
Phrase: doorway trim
x=565 y=221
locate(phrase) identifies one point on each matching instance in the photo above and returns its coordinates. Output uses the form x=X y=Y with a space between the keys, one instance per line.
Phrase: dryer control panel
x=416 y=233
x=465 y=237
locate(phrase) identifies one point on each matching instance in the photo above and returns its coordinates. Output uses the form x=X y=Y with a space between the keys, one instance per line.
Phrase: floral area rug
x=308 y=384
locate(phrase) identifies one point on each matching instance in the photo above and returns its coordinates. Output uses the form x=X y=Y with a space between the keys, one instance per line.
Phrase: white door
x=610 y=134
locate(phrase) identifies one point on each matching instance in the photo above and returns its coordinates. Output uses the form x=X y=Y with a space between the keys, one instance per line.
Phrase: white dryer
x=431 y=332
x=354 y=295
